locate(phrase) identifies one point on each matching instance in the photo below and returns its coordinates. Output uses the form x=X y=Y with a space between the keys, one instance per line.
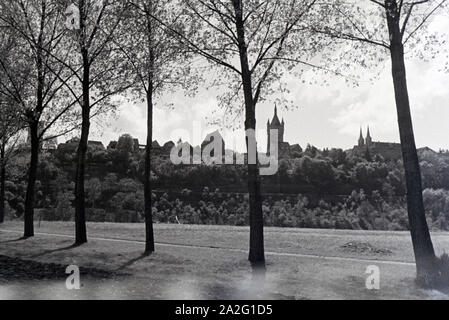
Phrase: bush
x=96 y=215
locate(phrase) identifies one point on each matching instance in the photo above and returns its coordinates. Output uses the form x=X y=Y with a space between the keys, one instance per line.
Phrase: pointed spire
x=368 y=135
x=361 y=139
x=275 y=121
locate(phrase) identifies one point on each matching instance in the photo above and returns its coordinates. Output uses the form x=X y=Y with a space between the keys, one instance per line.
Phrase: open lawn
x=208 y=262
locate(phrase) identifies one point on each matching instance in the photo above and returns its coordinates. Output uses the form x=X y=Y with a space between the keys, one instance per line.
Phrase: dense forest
x=313 y=189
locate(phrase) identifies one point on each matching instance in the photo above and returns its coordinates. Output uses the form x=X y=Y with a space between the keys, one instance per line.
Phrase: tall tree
x=94 y=25
x=160 y=64
x=251 y=42
x=29 y=82
x=387 y=29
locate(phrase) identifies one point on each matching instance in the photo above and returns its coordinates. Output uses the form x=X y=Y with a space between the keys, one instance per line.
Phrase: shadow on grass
x=73 y=246
x=15 y=240
x=133 y=261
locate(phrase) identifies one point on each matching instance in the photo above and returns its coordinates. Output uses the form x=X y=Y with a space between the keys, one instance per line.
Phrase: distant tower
x=369 y=140
x=276 y=125
x=361 y=139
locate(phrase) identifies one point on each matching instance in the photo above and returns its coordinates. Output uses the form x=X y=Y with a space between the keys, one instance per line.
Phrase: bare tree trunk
x=422 y=243
x=35 y=135
x=80 y=205
x=149 y=232
x=2 y=182
x=32 y=176
x=256 y=247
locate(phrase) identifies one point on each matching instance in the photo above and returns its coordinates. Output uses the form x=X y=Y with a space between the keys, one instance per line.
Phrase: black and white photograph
x=224 y=155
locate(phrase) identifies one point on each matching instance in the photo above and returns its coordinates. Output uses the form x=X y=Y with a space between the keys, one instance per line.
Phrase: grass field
x=209 y=262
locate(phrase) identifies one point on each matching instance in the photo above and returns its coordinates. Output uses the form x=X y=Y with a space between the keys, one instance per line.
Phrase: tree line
x=316 y=189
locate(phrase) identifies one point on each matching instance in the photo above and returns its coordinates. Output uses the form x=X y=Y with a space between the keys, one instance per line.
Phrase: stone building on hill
x=388 y=150
x=48 y=143
x=285 y=149
x=70 y=146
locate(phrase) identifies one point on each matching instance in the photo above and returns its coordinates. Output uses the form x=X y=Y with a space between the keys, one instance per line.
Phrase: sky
x=325 y=116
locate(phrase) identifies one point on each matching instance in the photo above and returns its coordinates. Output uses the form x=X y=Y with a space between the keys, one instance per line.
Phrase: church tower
x=361 y=139
x=369 y=140
x=276 y=125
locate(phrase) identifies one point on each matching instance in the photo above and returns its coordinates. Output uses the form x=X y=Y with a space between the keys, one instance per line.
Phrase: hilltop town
x=365 y=145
